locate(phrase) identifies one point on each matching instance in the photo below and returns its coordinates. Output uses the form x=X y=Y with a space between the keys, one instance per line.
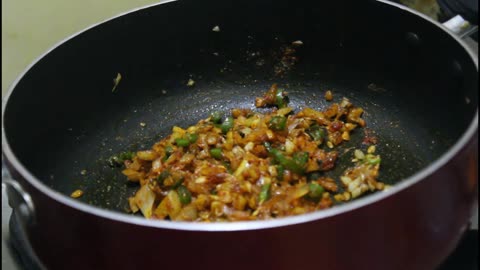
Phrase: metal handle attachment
x=18 y=198
x=23 y=212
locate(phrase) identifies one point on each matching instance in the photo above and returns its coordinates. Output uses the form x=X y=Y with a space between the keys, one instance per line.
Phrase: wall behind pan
x=31 y=27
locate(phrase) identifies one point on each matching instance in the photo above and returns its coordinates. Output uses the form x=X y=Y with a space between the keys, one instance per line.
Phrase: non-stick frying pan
x=416 y=82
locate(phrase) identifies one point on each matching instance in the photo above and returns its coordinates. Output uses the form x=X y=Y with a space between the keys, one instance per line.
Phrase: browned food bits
x=76 y=194
x=328 y=96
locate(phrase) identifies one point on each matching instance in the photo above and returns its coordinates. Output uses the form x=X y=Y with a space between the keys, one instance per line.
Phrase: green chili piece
x=182 y=142
x=277 y=155
x=192 y=137
x=287 y=163
x=316 y=132
x=301 y=158
x=264 y=193
x=280 y=171
x=373 y=160
x=315 y=190
x=227 y=124
x=216 y=153
x=228 y=166
x=278 y=123
x=293 y=166
x=168 y=152
x=126 y=156
x=216 y=117
x=178 y=183
x=161 y=178
x=280 y=100
x=118 y=160
x=184 y=194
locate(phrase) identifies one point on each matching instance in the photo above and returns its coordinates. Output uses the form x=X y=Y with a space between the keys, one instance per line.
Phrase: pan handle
x=23 y=211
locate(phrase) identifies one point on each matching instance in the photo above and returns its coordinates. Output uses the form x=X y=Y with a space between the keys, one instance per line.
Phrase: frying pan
x=416 y=82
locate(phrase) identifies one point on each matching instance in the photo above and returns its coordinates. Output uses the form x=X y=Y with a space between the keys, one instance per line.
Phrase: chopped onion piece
x=144 y=200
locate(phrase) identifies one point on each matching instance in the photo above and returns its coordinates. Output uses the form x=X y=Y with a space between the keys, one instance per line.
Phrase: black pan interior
x=417 y=85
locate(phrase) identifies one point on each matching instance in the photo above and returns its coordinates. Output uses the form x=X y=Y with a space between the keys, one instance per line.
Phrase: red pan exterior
x=416 y=228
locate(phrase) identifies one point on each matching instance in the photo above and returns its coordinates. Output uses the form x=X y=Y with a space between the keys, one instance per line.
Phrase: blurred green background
x=31 y=27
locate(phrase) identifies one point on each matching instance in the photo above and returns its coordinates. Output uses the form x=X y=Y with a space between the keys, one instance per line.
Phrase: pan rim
x=241 y=225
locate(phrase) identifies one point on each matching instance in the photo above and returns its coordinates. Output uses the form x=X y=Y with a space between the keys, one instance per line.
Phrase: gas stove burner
x=465 y=257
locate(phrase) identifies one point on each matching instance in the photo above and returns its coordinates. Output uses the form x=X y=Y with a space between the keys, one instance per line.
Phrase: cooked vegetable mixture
x=248 y=165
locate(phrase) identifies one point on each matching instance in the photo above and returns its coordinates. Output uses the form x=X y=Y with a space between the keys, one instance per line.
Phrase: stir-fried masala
x=247 y=165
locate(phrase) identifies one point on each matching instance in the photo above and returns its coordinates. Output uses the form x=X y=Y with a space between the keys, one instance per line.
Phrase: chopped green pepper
x=277 y=155
x=192 y=137
x=278 y=123
x=127 y=155
x=280 y=171
x=301 y=158
x=189 y=139
x=184 y=194
x=216 y=153
x=182 y=142
x=281 y=100
x=228 y=166
x=264 y=193
x=168 y=152
x=316 y=132
x=373 y=160
x=161 y=178
x=118 y=160
x=289 y=164
x=227 y=124
x=216 y=117
x=178 y=183
x=315 y=190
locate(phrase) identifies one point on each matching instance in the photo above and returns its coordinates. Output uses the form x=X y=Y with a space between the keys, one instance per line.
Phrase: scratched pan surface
x=414 y=97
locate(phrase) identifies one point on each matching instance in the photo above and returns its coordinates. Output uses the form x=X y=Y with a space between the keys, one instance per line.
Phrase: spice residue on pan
x=287 y=58
x=376 y=88
x=369 y=137
x=247 y=165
